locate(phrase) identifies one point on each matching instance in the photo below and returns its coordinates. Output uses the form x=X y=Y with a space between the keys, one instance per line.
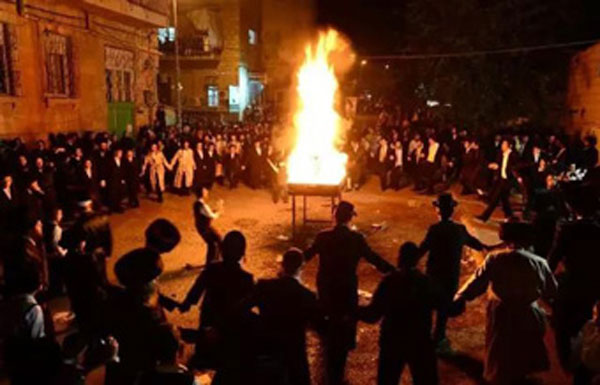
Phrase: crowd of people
x=56 y=237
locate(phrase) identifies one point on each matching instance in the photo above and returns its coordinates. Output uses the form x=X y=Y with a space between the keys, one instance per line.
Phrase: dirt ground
x=401 y=216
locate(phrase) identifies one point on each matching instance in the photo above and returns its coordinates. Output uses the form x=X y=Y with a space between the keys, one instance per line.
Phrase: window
x=166 y=35
x=119 y=75
x=213 y=96
x=252 y=38
x=59 y=71
x=5 y=63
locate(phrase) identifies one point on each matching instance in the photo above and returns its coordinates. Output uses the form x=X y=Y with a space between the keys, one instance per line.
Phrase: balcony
x=142 y=13
x=194 y=52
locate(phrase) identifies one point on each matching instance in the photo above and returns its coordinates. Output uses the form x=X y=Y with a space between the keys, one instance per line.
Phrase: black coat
x=205 y=169
x=131 y=174
x=405 y=300
x=340 y=250
x=224 y=286
x=88 y=185
x=445 y=241
x=575 y=245
x=116 y=182
x=232 y=166
x=287 y=308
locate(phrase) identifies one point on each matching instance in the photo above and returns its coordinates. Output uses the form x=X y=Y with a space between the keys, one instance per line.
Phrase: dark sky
x=376 y=26
x=370 y=24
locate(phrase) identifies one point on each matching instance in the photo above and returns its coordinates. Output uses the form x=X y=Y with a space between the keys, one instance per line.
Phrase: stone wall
x=583 y=97
x=30 y=111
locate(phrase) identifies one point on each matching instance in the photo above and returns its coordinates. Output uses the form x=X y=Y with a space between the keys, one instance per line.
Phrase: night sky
x=376 y=26
x=370 y=24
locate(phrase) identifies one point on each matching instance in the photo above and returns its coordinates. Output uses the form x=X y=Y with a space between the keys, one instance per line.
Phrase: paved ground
x=402 y=216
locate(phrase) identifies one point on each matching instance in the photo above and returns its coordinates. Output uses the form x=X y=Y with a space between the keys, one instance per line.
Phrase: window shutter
x=13 y=57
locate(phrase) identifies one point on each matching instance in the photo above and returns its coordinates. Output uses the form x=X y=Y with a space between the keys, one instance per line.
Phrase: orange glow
x=315 y=158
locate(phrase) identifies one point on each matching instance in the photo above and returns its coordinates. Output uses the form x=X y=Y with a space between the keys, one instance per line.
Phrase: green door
x=119 y=116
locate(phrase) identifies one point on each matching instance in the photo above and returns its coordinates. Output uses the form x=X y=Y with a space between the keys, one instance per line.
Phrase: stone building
x=232 y=53
x=70 y=65
x=219 y=50
x=583 y=98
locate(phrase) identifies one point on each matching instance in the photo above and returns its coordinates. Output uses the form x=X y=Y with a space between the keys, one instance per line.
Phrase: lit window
x=252 y=36
x=213 y=96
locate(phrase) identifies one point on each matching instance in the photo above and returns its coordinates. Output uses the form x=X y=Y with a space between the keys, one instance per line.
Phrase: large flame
x=315 y=158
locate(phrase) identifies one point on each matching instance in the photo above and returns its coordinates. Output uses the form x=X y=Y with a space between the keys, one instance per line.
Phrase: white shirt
x=8 y=193
x=505 y=156
x=206 y=210
x=118 y=162
x=88 y=172
x=433 y=149
x=398 y=152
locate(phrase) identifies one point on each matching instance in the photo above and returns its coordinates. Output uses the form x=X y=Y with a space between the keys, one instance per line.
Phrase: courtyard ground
x=397 y=216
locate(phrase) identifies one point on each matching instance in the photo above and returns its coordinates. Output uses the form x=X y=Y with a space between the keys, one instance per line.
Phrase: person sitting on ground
x=405 y=300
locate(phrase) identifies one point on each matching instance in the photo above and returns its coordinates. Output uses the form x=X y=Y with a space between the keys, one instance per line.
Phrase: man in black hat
x=404 y=300
x=445 y=241
x=575 y=245
x=340 y=249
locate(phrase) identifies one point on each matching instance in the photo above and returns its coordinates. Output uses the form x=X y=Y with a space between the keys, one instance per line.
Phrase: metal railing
x=190 y=47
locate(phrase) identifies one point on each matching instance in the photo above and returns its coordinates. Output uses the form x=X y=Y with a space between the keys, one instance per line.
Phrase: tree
x=490 y=89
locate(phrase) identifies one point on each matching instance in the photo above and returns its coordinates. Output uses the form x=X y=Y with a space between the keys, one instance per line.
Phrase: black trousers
x=339 y=340
x=213 y=243
x=500 y=194
x=420 y=358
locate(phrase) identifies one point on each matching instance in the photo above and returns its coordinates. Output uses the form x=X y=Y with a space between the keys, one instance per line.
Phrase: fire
x=315 y=158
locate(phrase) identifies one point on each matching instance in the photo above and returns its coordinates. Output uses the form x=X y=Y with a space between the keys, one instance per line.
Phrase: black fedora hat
x=445 y=200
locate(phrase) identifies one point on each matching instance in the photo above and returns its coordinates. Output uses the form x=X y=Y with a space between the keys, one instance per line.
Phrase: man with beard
x=340 y=250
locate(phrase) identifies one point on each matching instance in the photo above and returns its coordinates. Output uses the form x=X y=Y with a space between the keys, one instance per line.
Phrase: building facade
x=72 y=65
x=233 y=53
x=219 y=52
x=583 y=98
